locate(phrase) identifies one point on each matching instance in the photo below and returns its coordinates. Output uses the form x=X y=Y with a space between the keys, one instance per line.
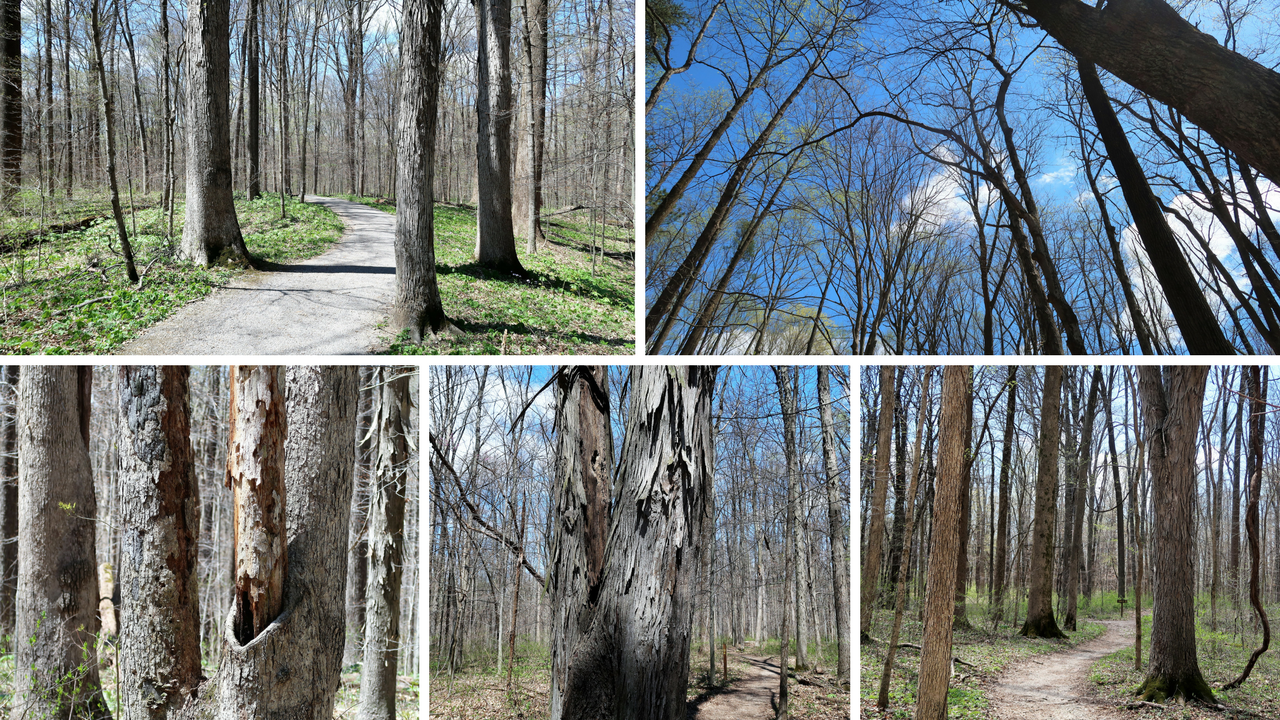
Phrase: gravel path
x=751 y=698
x=1054 y=687
x=328 y=305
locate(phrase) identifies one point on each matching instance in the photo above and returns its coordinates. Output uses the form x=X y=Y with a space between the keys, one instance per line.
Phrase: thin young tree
x=108 y=120
x=1256 y=388
x=836 y=525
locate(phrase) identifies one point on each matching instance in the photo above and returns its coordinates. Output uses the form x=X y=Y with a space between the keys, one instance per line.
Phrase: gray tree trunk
x=56 y=665
x=386 y=544
x=212 y=232
x=495 y=237
x=584 y=464
x=9 y=508
x=787 y=400
x=632 y=662
x=358 y=539
x=255 y=96
x=533 y=139
x=836 y=525
x=1040 y=621
x=159 y=516
x=417 y=304
x=291 y=669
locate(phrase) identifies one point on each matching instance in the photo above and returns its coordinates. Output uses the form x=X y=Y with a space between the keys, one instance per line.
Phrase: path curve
x=751 y=698
x=328 y=305
x=1055 y=686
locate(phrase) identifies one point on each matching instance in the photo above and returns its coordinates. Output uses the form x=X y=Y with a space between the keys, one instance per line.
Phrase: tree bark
x=495 y=238
x=55 y=663
x=291 y=669
x=252 y=21
x=935 y=657
x=9 y=509
x=159 y=514
x=1083 y=481
x=255 y=474
x=1172 y=400
x=632 y=662
x=386 y=545
x=1040 y=621
x=11 y=97
x=1148 y=45
x=584 y=460
x=417 y=305
x=836 y=525
x=1002 y=520
x=535 y=52
x=211 y=234
x=358 y=539
x=108 y=117
x=875 y=528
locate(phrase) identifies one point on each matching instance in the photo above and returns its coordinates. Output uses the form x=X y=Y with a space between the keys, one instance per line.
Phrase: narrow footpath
x=751 y=698
x=1055 y=687
x=328 y=305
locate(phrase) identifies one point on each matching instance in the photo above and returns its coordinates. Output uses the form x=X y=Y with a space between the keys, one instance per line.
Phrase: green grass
x=66 y=293
x=989 y=651
x=564 y=307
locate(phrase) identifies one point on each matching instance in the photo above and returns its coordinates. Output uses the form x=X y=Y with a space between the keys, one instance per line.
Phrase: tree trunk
x=358 y=539
x=386 y=544
x=10 y=97
x=1084 y=480
x=211 y=234
x=1115 y=481
x=1040 y=621
x=1171 y=401
x=9 y=509
x=584 y=459
x=788 y=403
x=535 y=53
x=108 y=116
x=1196 y=321
x=960 y=612
x=1002 y=521
x=55 y=663
x=255 y=472
x=1148 y=45
x=632 y=661
x=306 y=637
x=495 y=239
x=1257 y=426
x=159 y=514
x=252 y=20
x=417 y=305
x=875 y=528
x=836 y=525
x=935 y=657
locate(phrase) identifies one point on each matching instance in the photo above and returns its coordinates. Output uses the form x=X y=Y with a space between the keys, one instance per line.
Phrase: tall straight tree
x=160 y=525
x=1083 y=481
x=533 y=139
x=1172 y=398
x=875 y=527
x=1001 y=561
x=212 y=233
x=9 y=507
x=252 y=44
x=417 y=307
x=55 y=661
x=495 y=238
x=1040 y=621
x=645 y=592
x=108 y=121
x=11 y=97
x=789 y=405
x=935 y=657
x=388 y=485
x=836 y=525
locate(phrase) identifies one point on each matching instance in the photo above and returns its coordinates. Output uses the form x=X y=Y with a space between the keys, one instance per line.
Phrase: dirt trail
x=1054 y=687
x=328 y=305
x=750 y=698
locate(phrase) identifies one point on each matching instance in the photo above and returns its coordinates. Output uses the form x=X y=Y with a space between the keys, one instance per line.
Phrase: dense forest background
x=1068 y=507
x=113 y=469
x=496 y=519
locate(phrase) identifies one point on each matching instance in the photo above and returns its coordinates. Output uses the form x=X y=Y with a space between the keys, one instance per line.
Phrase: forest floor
x=751 y=691
x=62 y=284
x=579 y=297
x=988 y=653
x=330 y=304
